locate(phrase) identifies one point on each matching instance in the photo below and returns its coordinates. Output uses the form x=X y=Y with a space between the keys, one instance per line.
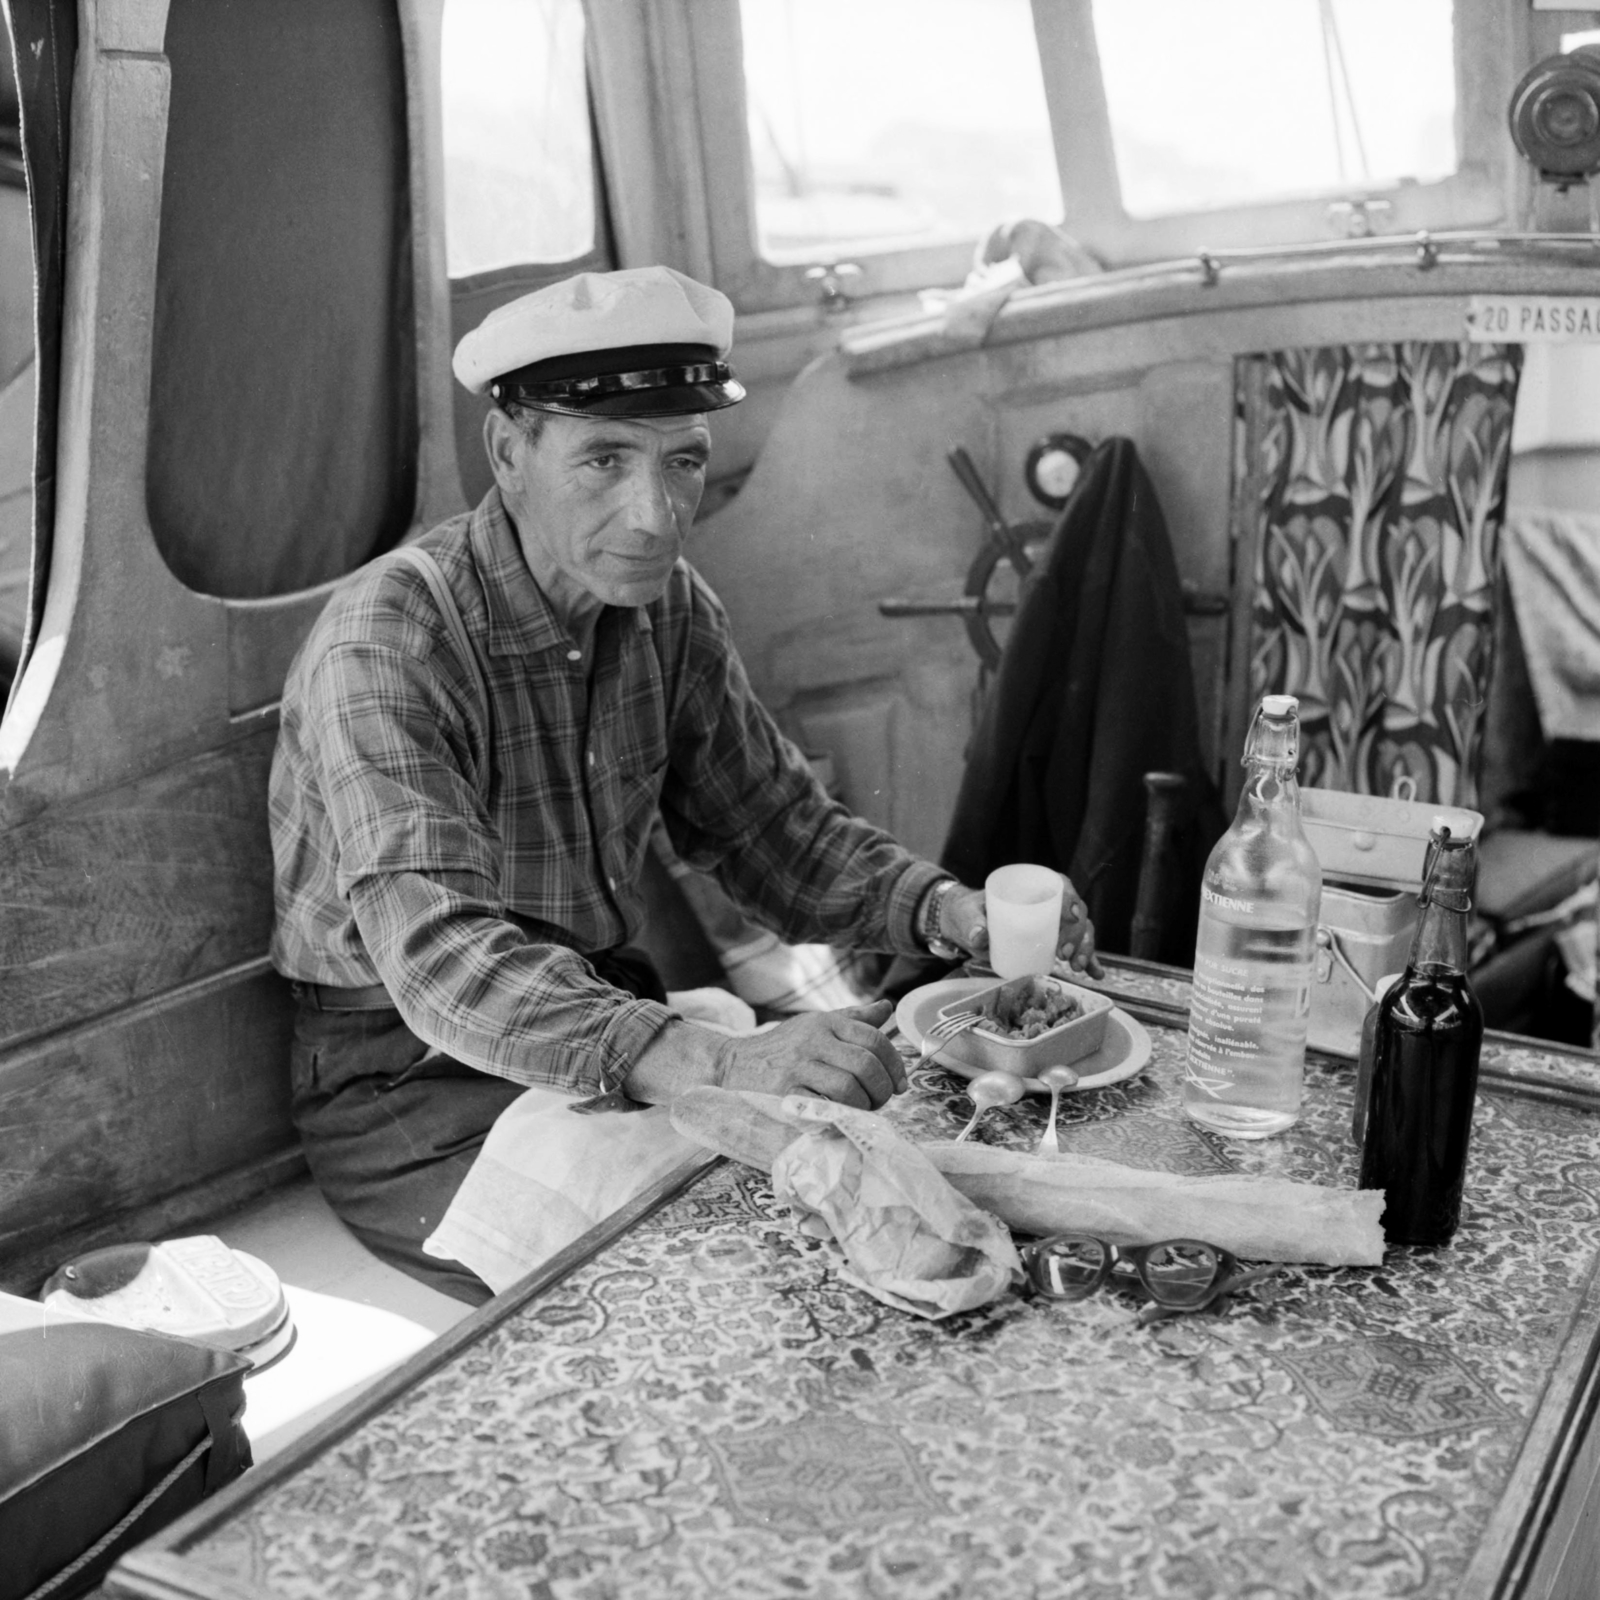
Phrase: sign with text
x=1534 y=318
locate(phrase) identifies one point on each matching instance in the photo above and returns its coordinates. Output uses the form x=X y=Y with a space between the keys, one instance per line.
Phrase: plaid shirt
x=464 y=860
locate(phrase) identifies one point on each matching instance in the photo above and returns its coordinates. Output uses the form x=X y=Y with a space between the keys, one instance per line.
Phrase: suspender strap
x=450 y=612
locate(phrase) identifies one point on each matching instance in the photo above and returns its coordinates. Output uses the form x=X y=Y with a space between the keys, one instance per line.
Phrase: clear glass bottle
x=1257 y=939
x=1426 y=1045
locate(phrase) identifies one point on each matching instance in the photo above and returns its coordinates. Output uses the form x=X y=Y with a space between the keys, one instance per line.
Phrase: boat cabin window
x=1203 y=124
x=1286 y=101
x=901 y=125
x=525 y=197
x=858 y=149
x=519 y=165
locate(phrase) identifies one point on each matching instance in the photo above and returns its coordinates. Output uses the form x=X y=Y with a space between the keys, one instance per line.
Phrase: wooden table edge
x=157 y=1570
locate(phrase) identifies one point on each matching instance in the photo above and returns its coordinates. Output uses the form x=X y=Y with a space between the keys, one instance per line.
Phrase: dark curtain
x=1094 y=690
x=44 y=47
x=283 y=429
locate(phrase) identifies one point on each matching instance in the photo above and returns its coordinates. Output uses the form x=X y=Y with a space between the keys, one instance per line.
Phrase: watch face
x=1053 y=466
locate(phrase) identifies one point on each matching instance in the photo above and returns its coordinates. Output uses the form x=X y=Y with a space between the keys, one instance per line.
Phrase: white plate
x=1126 y=1050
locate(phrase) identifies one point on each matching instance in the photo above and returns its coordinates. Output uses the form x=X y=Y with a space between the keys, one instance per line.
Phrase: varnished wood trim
x=1386 y=269
x=438 y=476
x=243 y=1492
x=34 y=1047
x=173 y=1214
x=1508 y=1560
x=1565 y=1563
x=154 y=1575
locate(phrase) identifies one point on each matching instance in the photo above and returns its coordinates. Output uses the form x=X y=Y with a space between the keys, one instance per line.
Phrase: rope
x=111 y=1535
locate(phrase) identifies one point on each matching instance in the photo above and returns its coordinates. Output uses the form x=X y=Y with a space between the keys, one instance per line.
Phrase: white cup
x=1022 y=905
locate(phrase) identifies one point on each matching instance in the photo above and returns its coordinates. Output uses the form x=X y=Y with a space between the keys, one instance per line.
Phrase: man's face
x=601 y=504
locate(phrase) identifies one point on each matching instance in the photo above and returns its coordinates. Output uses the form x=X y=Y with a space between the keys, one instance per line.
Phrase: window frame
x=752 y=282
x=1490 y=42
x=494 y=285
x=1479 y=194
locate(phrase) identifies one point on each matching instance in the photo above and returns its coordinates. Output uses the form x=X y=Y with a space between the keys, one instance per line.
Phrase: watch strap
x=930 y=922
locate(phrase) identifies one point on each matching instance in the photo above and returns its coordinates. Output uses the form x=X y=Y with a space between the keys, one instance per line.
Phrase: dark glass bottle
x=1426 y=1043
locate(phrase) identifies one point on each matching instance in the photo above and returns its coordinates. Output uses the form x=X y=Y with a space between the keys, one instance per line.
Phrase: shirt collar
x=521 y=619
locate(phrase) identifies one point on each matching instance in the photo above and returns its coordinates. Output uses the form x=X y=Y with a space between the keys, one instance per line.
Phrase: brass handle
x=830 y=283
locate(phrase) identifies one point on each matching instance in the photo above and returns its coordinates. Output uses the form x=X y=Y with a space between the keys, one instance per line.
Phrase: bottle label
x=1226 y=901
x=1247 y=1020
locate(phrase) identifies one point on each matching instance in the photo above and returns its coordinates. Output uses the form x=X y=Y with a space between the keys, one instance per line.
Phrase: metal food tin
x=1372 y=852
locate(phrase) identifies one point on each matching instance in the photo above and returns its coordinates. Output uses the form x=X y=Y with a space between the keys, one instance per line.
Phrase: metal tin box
x=1372 y=852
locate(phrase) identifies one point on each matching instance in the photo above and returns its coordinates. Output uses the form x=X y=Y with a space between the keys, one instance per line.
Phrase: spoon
x=990 y=1089
x=1055 y=1079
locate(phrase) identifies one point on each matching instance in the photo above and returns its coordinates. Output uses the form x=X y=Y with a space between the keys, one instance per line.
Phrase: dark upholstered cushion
x=93 y=1421
x=1523 y=873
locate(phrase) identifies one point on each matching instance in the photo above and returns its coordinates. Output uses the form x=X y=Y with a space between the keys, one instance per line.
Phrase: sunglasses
x=1179 y=1275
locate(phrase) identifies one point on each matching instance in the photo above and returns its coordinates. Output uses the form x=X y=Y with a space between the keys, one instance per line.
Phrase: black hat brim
x=672 y=400
x=653 y=380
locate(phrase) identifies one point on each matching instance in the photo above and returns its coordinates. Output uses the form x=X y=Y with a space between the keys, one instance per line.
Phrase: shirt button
x=574 y=655
x=591 y=758
x=612 y=882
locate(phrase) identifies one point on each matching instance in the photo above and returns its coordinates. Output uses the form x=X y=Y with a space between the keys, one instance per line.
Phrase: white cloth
x=790 y=978
x=1577 y=947
x=546 y=1174
x=1553 y=565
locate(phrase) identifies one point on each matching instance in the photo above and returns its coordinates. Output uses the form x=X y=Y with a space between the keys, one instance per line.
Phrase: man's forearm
x=680 y=1057
x=839 y=1055
x=474 y=986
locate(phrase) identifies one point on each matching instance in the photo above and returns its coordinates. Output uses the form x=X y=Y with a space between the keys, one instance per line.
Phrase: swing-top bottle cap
x=1274 y=734
x=1450 y=868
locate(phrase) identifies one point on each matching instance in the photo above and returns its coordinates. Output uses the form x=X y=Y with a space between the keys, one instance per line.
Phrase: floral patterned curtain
x=1371 y=481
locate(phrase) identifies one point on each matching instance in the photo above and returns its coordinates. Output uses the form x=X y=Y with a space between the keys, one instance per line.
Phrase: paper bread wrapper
x=748 y=1128
x=905 y=1233
x=1257 y=1218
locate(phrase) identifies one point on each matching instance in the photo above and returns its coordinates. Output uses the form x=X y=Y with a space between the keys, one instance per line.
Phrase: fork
x=940 y=1033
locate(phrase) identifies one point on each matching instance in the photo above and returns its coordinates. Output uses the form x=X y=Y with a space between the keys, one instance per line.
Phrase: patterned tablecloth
x=704 y=1409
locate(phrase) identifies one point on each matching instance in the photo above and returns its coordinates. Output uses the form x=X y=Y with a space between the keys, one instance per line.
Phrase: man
x=463 y=791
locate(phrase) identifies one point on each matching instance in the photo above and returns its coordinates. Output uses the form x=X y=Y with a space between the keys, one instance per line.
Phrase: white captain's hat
x=641 y=342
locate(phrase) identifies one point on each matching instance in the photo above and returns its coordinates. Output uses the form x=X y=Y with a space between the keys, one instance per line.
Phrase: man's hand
x=839 y=1055
x=962 y=919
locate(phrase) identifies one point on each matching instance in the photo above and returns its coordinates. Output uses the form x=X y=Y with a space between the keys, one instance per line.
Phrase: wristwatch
x=929 y=922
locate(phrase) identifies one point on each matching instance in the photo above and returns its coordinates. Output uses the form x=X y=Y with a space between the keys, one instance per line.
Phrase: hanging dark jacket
x=1094 y=689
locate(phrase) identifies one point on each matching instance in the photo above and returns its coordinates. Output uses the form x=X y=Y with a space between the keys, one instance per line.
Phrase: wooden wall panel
x=153 y=883
x=169 y=1097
